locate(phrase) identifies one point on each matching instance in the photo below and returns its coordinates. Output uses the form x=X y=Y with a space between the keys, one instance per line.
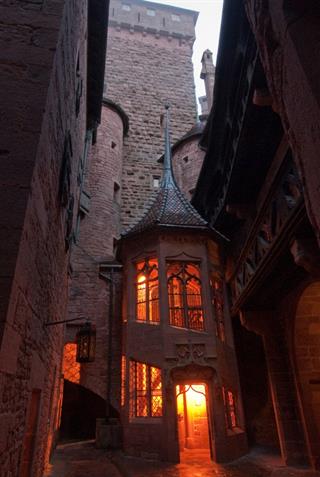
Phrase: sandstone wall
x=143 y=71
x=89 y=294
x=187 y=161
x=40 y=42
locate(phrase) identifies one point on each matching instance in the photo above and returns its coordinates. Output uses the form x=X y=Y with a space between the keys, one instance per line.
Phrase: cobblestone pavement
x=84 y=460
x=256 y=464
x=81 y=459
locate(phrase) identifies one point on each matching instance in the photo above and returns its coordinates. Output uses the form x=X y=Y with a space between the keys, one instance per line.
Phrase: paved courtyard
x=84 y=460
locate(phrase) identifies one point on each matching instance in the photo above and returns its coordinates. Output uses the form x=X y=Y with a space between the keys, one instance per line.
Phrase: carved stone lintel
x=306 y=254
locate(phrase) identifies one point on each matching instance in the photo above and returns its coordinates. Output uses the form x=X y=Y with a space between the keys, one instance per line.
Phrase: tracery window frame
x=146 y=400
x=147 y=310
x=185 y=315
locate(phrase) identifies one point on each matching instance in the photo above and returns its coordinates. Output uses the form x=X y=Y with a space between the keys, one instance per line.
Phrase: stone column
x=286 y=410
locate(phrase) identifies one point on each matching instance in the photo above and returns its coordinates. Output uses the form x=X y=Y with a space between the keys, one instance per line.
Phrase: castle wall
x=144 y=69
x=89 y=294
x=187 y=161
x=38 y=94
x=146 y=66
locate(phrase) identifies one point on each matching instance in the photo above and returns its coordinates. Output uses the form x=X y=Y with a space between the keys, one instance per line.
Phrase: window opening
x=175 y=18
x=126 y=7
x=230 y=409
x=123 y=380
x=218 y=303
x=156 y=182
x=185 y=159
x=116 y=192
x=145 y=390
x=147 y=291
x=184 y=290
x=151 y=13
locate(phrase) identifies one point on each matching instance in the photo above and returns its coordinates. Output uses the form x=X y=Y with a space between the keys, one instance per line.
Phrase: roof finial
x=167 y=180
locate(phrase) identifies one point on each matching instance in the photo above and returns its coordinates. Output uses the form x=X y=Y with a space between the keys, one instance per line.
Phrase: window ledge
x=203 y=332
x=235 y=431
x=145 y=420
x=156 y=323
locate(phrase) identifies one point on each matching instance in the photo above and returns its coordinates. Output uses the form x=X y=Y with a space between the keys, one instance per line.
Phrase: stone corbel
x=306 y=254
x=260 y=322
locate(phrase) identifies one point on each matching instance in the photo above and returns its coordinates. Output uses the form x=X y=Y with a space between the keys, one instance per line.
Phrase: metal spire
x=168 y=179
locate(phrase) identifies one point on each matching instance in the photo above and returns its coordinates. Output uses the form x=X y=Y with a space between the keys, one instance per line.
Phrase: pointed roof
x=169 y=208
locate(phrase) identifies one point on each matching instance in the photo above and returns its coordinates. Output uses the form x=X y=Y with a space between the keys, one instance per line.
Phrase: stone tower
x=148 y=62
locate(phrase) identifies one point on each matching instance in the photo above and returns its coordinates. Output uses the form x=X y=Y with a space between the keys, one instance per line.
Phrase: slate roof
x=169 y=208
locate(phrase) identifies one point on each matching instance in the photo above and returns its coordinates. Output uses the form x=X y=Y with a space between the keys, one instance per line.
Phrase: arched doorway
x=193 y=387
x=307 y=359
x=192 y=418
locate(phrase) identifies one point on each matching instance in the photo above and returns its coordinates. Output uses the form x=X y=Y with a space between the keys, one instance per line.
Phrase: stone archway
x=307 y=360
x=194 y=376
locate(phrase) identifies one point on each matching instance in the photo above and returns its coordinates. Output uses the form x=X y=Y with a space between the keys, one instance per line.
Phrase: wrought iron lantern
x=86 y=343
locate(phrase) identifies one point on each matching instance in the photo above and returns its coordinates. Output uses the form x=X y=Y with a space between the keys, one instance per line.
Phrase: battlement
x=150 y=17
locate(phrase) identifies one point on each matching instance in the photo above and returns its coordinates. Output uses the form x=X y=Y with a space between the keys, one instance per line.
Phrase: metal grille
x=147 y=291
x=132 y=388
x=123 y=380
x=71 y=369
x=141 y=390
x=145 y=390
x=156 y=392
x=184 y=292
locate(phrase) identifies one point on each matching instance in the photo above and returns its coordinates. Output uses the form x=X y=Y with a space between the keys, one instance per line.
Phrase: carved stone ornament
x=190 y=352
x=192 y=372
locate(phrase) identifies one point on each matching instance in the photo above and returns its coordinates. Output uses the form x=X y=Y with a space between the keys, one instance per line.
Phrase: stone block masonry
x=40 y=43
x=144 y=69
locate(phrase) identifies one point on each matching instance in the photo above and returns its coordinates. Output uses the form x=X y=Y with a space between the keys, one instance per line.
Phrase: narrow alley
x=84 y=460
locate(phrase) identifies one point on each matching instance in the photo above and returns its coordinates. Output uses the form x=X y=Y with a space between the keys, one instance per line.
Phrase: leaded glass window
x=145 y=390
x=184 y=292
x=147 y=291
x=230 y=408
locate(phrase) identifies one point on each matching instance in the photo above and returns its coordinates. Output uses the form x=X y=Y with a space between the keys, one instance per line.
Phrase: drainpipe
x=107 y=273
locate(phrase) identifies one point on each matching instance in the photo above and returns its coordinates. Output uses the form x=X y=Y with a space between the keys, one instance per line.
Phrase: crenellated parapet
x=177 y=25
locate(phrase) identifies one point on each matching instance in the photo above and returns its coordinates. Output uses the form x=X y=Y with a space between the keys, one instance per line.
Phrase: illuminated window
x=184 y=290
x=145 y=390
x=151 y=13
x=147 y=291
x=218 y=303
x=71 y=369
x=175 y=18
x=123 y=380
x=230 y=408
